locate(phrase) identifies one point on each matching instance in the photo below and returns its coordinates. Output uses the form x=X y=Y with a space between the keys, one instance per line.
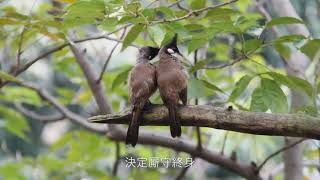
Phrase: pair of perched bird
x=169 y=76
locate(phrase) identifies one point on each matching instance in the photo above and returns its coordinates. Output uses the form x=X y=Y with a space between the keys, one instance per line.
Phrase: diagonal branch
x=90 y=75
x=279 y=151
x=295 y=125
x=63 y=110
x=105 y=65
x=43 y=118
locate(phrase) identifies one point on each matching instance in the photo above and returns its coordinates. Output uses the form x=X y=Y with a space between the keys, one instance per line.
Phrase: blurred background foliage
x=31 y=149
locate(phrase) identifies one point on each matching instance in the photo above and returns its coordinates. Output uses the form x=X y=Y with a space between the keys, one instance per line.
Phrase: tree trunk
x=293 y=157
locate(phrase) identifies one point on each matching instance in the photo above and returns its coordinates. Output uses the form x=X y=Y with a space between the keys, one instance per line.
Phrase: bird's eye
x=171 y=51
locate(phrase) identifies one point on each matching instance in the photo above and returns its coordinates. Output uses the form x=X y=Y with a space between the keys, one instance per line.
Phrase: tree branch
x=295 y=125
x=119 y=134
x=243 y=169
x=43 y=118
x=90 y=75
x=64 y=111
x=60 y=47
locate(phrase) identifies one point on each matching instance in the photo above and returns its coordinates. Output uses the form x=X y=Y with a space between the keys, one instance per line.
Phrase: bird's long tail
x=175 y=126
x=133 y=129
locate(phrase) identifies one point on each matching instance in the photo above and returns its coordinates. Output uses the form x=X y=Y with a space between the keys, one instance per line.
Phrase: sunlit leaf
x=240 y=86
x=211 y=86
x=8 y=77
x=284 y=20
x=311 y=48
x=198 y=4
x=132 y=35
x=14 y=122
x=269 y=96
x=157 y=34
x=294 y=83
x=121 y=77
x=283 y=50
x=67 y=1
x=196 y=44
x=293 y=38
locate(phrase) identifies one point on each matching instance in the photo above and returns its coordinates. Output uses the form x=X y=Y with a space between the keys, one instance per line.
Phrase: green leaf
x=166 y=11
x=194 y=27
x=9 y=21
x=19 y=94
x=240 y=86
x=302 y=85
x=257 y=103
x=132 y=35
x=133 y=7
x=311 y=48
x=283 y=50
x=12 y=170
x=8 y=77
x=196 y=44
x=14 y=122
x=109 y=23
x=157 y=34
x=121 y=77
x=83 y=12
x=219 y=13
x=211 y=86
x=292 y=82
x=269 y=96
x=284 y=20
x=198 y=4
x=293 y=38
x=200 y=65
x=196 y=88
x=251 y=45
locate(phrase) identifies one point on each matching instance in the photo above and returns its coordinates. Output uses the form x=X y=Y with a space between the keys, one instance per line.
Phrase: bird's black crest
x=153 y=52
x=173 y=44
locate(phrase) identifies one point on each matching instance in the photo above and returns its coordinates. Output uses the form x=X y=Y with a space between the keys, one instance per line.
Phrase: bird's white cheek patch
x=170 y=51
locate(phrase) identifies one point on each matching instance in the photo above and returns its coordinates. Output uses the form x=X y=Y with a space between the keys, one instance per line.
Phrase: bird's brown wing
x=184 y=95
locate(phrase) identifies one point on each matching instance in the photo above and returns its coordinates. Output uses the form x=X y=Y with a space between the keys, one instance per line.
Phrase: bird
x=142 y=84
x=172 y=81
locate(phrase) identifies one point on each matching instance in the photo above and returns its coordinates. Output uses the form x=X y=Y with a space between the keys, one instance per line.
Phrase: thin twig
x=278 y=152
x=58 y=48
x=183 y=172
x=175 y=3
x=224 y=142
x=191 y=13
x=105 y=65
x=231 y=63
x=19 y=51
x=149 y=5
x=199 y=145
x=116 y=163
x=182 y=8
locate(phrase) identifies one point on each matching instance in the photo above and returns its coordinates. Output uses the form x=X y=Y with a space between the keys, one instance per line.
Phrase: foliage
x=233 y=44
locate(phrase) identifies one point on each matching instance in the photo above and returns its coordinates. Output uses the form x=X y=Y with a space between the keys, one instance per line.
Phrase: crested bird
x=172 y=82
x=142 y=84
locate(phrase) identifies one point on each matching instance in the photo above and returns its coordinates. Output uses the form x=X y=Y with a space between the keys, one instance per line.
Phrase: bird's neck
x=142 y=60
